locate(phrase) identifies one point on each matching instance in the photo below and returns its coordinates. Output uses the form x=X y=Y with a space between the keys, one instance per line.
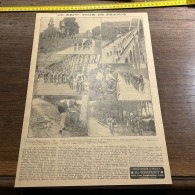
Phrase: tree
x=108 y=31
x=141 y=31
x=96 y=32
x=141 y=42
x=69 y=26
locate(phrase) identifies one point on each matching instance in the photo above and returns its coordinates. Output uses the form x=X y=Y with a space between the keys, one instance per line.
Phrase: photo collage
x=91 y=79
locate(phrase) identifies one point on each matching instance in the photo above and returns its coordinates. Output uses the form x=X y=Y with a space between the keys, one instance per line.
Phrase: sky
x=84 y=23
x=118 y=19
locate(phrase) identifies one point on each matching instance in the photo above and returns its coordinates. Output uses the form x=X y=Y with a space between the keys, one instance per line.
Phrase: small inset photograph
x=121 y=118
x=133 y=83
x=103 y=81
x=58 y=116
x=63 y=74
x=70 y=35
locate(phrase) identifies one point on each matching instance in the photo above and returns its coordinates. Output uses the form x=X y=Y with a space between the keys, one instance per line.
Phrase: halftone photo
x=70 y=35
x=121 y=118
x=58 y=116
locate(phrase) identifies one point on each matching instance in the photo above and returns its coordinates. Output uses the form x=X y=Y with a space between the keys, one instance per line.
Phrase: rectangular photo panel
x=121 y=118
x=123 y=40
x=70 y=35
x=65 y=74
x=58 y=116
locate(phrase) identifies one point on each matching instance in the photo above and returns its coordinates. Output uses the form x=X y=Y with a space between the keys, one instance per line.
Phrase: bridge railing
x=112 y=41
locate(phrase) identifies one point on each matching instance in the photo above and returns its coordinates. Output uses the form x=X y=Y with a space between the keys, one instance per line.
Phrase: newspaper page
x=92 y=113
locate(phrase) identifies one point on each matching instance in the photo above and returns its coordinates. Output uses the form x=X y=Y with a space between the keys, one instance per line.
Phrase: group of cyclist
x=136 y=80
x=75 y=81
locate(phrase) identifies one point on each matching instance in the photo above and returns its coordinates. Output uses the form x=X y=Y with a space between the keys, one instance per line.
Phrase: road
x=71 y=50
x=128 y=92
x=96 y=129
x=116 y=46
x=53 y=89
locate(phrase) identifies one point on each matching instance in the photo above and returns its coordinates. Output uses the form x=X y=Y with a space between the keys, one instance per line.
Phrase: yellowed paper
x=92 y=113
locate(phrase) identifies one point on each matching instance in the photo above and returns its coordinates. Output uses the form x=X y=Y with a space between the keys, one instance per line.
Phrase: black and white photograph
x=123 y=41
x=121 y=118
x=65 y=74
x=70 y=35
x=58 y=116
x=103 y=81
x=133 y=83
